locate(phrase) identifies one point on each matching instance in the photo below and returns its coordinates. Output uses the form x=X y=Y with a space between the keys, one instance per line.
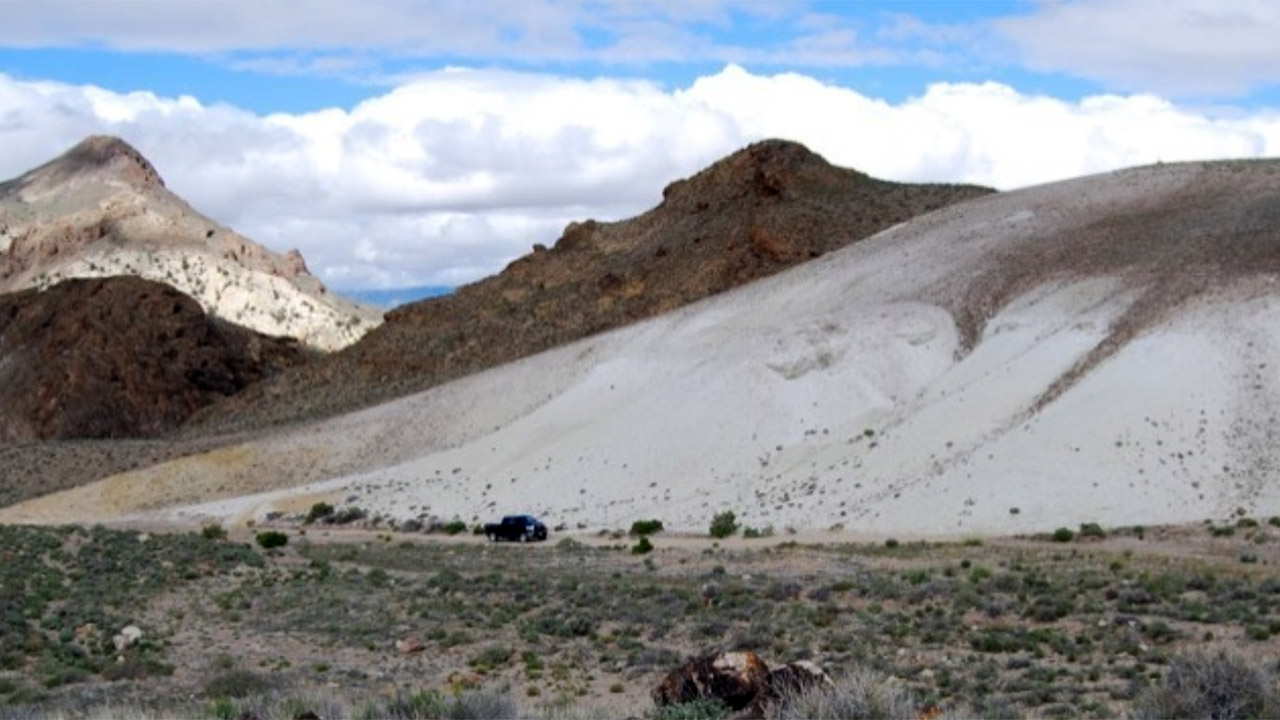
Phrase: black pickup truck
x=516 y=527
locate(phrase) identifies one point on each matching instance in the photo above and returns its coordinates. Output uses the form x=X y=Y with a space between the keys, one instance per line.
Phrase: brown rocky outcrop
x=763 y=209
x=735 y=678
x=741 y=680
x=119 y=357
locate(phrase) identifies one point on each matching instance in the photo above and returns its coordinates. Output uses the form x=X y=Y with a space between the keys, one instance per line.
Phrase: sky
x=400 y=143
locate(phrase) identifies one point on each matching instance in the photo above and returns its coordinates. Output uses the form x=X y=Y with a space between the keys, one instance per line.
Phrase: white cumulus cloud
x=448 y=176
x=1186 y=47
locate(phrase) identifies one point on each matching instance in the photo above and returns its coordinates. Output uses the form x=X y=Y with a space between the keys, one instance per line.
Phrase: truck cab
x=518 y=528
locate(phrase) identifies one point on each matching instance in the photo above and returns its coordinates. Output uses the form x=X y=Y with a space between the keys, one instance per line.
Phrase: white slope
x=843 y=392
x=101 y=210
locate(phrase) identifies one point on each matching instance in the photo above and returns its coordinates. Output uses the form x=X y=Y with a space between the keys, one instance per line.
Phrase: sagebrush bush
x=1220 y=685
x=1093 y=530
x=861 y=694
x=1063 y=535
x=272 y=539
x=724 y=524
x=213 y=532
x=455 y=526
x=643 y=547
x=319 y=511
x=646 y=527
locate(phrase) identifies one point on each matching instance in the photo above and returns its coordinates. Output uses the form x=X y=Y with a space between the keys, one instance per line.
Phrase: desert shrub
x=750 y=532
x=236 y=684
x=213 y=532
x=348 y=515
x=272 y=539
x=467 y=705
x=1093 y=530
x=1203 y=685
x=1063 y=535
x=455 y=526
x=642 y=547
x=136 y=668
x=493 y=656
x=861 y=694
x=701 y=709
x=724 y=524
x=319 y=511
x=646 y=527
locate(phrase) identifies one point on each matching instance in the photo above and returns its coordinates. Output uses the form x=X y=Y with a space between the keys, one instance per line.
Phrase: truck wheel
x=524 y=537
x=492 y=537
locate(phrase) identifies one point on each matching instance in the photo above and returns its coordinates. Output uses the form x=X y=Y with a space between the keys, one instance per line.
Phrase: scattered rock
x=741 y=680
x=127 y=638
x=410 y=645
x=733 y=677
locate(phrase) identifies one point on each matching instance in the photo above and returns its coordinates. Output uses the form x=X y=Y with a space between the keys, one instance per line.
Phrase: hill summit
x=101 y=209
x=760 y=210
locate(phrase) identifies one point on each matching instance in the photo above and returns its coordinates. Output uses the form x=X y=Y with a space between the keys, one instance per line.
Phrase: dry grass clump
x=860 y=695
x=1221 y=685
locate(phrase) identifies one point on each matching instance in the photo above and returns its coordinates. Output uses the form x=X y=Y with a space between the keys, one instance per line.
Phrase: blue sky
x=407 y=143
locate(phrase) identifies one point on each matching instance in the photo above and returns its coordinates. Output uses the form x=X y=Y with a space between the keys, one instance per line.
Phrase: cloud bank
x=448 y=176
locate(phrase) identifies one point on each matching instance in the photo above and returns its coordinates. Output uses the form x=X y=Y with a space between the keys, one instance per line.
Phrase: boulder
x=410 y=645
x=127 y=637
x=736 y=678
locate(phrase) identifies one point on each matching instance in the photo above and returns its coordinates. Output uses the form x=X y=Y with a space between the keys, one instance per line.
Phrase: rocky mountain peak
x=766 y=169
x=96 y=159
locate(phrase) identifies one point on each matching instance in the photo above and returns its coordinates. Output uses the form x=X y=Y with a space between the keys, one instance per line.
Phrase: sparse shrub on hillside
x=646 y=527
x=750 y=532
x=319 y=511
x=1204 y=685
x=701 y=709
x=1063 y=535
x=455 y=526
x=862 y=694
x=348 y=515
x=272 y=539
x=213 y=532
x=1093 y=530
x=236 y=683
x=724 y=524
x=642 y=547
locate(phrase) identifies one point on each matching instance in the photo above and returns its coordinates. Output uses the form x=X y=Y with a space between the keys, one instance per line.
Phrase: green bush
x=1063 y=535
x=1093 y=530
x=272 y=539
x=348 y=515
x=642 y=547
x=646 y=527
x=319 y=511
x=455 y=526
x=213 y=532
x=724 y=524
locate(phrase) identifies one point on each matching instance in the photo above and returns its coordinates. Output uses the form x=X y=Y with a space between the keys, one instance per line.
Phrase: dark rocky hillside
x=119 y=357
x=763 y=209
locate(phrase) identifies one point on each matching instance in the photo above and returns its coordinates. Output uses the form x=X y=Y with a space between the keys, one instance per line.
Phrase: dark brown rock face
x=119 y=357
x=763 y=209
x=736 y=678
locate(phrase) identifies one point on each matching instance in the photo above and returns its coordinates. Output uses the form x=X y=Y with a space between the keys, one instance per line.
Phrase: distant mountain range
x=388 y=299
